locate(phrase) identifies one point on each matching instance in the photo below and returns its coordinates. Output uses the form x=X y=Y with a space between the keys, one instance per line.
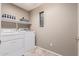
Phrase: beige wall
x=60 y=28
x=0 y=15
x=78 y=29
x=13 y=10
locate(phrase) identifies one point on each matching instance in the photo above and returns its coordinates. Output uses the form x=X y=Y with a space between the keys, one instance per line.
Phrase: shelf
x=23 y=22
x=8 y=20
x=16 y=21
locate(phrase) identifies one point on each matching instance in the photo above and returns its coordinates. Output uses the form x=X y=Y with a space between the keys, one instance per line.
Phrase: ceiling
x=27 y=6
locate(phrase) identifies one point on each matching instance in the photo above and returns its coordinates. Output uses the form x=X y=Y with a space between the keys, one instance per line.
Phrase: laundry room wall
x=11 y=9
x=60 y=27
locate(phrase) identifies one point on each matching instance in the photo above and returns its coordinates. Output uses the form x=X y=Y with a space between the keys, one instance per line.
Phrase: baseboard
x=49 y=51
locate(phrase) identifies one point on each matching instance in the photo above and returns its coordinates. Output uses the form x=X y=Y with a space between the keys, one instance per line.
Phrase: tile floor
x=39 y=52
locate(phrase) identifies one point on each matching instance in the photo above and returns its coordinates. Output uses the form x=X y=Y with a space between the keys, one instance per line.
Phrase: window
x=41 y=18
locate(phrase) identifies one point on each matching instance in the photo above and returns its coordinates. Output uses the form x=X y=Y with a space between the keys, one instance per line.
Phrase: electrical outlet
x=51 y=44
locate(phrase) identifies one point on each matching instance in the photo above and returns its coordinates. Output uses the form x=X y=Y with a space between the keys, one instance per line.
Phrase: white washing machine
x=29 y=42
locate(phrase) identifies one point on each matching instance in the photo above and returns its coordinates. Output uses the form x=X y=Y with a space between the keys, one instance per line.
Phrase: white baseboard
x=49 y=51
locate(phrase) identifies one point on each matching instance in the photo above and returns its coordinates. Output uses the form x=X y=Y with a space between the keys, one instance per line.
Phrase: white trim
x=49 y=51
